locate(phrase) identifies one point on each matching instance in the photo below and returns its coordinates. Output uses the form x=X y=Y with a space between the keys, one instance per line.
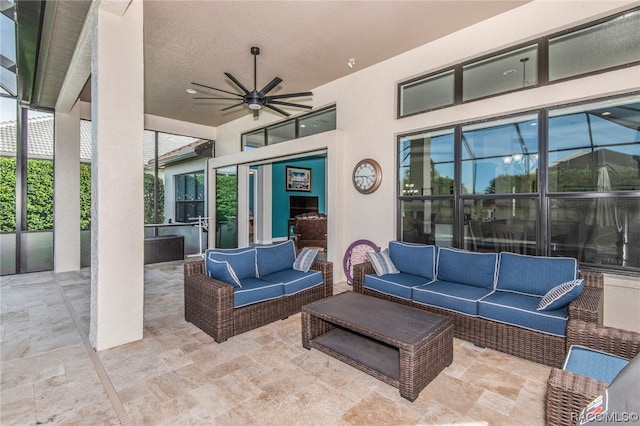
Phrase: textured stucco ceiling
x=306 y=43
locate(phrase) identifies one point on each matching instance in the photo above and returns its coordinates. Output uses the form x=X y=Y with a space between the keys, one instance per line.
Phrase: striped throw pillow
x=561 y=295
x=305 y=259
x=382 y=263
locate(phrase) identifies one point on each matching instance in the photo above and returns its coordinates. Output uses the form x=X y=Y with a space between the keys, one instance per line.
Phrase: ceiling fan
x=256 y=99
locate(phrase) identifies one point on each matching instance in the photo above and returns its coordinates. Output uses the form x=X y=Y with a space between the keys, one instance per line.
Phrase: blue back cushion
x=414 y=259
x=242 y=262
x=534 y=275
x=275 y=258
x=465 y=267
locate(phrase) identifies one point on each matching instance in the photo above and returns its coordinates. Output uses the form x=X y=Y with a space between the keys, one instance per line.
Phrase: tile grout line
x=112 y=394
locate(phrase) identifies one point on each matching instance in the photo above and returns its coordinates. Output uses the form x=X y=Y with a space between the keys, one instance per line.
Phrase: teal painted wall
x=280 y=207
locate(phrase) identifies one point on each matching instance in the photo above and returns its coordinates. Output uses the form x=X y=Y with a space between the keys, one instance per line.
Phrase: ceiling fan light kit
x=256 y=99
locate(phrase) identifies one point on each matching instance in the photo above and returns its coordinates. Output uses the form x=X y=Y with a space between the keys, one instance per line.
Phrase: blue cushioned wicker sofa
x=236 y=290
x=506 y=301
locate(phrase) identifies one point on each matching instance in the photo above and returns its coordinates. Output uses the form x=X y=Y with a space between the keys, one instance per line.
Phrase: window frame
x=542 y=70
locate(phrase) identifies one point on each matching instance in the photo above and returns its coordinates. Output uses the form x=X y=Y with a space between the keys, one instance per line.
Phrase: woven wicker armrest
x=208 y=303
x=194 y=268
x=567 y=394
x=588 y=306
x=326 y=268
x=612 y=340
x=359 y=271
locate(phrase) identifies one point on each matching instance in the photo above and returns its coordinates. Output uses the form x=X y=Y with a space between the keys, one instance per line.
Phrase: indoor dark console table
x=402 y=346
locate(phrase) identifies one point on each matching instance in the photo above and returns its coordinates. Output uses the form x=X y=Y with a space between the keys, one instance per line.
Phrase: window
x=593 y=142
x=594 y=150
x=500 y=157
x=189 y=196
x=606 y=45
x=601 y=46
x=502 y=73
x=426 y=93
x=323 y=120
x=227 y=207
x=426 y=164
x=488 y=196
x=426 y=187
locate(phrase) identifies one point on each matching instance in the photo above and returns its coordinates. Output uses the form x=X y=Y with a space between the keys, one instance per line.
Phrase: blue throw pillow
x=243 y=263
x=221 y=270
x=561 y=295
x=414 y=259
x=275 y=258
x=382 y=263
x=305 y=259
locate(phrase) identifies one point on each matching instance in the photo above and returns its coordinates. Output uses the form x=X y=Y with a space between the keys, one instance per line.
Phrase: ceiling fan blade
x=291 y=104
x=292 y=95
x=232 y=106
x=226 y=99
x=276 y=109
x=232 y=78
x=272 y=84
x=219 y=90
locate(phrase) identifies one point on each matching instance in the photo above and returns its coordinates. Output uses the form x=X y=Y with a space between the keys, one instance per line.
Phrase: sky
x=8 y=110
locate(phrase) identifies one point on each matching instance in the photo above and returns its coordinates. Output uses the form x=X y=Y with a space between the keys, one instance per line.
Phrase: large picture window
x=572 y=190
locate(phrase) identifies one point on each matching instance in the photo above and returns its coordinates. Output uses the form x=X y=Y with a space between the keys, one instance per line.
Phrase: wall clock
x=367 y=175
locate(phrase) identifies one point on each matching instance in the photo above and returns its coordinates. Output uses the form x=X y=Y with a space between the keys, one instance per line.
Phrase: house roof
x=40 y=134
x=198 y=148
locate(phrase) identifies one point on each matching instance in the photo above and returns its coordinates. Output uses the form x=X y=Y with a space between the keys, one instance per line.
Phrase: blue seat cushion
x=294 y=281
x=521 y=310
x=414 y=259
x=453 y=296
x=465 y=267
x=400 y=285
x=275 y=258
x=242 y=262
x=588 y=362
x=534 y=275
x=255 y=290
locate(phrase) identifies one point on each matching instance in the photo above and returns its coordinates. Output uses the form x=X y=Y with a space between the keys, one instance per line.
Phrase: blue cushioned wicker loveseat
x=493 y=298
x=236 y=290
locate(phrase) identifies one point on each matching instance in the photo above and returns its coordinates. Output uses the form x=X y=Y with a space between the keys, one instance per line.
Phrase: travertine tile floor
x=178 y=375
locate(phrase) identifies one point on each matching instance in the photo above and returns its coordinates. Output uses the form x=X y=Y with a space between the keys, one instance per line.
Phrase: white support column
x=66 y=206
x=117 y=238
x=264 y=209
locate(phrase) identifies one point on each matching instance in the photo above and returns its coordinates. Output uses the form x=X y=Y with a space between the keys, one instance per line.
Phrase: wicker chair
x=311 y=230
x=568 y=393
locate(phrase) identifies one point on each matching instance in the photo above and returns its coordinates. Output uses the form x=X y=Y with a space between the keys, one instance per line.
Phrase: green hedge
x=40 y=195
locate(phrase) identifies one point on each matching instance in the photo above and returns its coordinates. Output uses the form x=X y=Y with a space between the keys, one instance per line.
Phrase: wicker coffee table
x=402 y=346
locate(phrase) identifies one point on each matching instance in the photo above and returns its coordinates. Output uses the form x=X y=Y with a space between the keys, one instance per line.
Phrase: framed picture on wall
x=298 y=179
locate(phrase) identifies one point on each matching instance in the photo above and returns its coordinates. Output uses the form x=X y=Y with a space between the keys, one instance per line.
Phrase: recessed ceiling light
x=508 y=72
x=606 y=113
x=191 y=91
